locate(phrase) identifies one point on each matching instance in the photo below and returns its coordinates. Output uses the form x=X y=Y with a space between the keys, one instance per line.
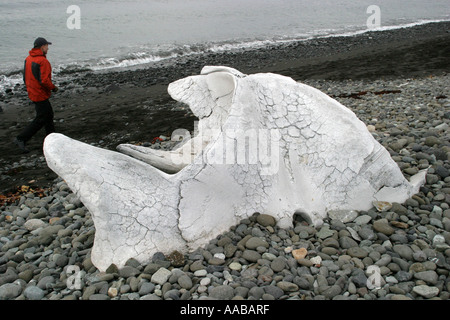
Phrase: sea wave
x=151 y=54
x=144 y=55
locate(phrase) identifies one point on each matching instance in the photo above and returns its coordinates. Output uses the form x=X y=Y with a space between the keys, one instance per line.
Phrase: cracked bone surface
x=264 y=143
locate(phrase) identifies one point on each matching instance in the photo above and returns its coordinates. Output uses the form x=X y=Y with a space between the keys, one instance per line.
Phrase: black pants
x=44 y=118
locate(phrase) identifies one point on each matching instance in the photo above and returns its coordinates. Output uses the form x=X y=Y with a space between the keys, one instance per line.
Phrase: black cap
x=39 y=42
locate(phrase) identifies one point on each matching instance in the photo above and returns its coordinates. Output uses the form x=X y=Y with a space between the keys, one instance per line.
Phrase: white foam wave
x=11 y=81
x=144 y=55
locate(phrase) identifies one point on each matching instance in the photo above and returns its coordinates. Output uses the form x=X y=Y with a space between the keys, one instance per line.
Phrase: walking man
x=37 y=76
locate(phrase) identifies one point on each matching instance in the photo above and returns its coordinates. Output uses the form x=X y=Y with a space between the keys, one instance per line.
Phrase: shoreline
x=220 y=47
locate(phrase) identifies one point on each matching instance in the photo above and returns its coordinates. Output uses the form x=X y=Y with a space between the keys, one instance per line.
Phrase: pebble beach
x=394 y=251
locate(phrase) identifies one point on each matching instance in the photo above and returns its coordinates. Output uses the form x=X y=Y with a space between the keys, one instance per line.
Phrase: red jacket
x=37 y=76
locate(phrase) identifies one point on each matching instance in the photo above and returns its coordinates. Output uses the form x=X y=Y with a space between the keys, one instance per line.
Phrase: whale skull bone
x=264 y=143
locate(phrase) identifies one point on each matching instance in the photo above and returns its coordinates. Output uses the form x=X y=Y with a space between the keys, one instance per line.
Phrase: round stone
x=235 y=266
x=324 y=232
x=347 y=242
x=255 y=242
x=382 y=225
x=278 y=264
x=274 y=291
x=222 y=292
x=205 y=281
x=426 y=291
x=402 y=276
x=287 y=286
x=362 y=220
x=419 y=256
x=330 y=242
x=251 y=255
x=33 y=224
x=9 y=291
x=430 y=277
x=269 y=256
x=200 y=273
x=266 y=220
x=329 y=250
x=161 y=276
x=185 y=282
x=404 y=251
x=357 y=252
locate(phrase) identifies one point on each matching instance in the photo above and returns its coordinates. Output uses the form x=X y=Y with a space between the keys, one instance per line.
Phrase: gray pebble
x=256 y=242
x=274 y=291
x=161 y=276
x=404 y=251
x=256 y=292
x=419 y=256
x=251 y=255
x=33 y=293
x=367 y=233
x=331 y=292
x=382 y=225
x=357 y=252
x=128 y=271
x=426 y=291
x=359 y=278
x=10 y=291
x=402 y=276
x=430 y=277
x=330 y=242
x=278 y=264
x=222 y=292
x=324 y=232
x=241 y=291
x=185 y=281
x=150 y=297
x=384 y=260
x=287 y=286
x=195 y=266
x=347 y=242
x=266 y=220
x=172 y=294
x=46 y=282
x=146 y=288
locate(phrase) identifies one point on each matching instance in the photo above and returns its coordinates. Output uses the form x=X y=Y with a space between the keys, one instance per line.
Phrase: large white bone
x=264 y=144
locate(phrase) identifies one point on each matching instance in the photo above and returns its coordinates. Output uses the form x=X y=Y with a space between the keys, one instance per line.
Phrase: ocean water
x=105 y=34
